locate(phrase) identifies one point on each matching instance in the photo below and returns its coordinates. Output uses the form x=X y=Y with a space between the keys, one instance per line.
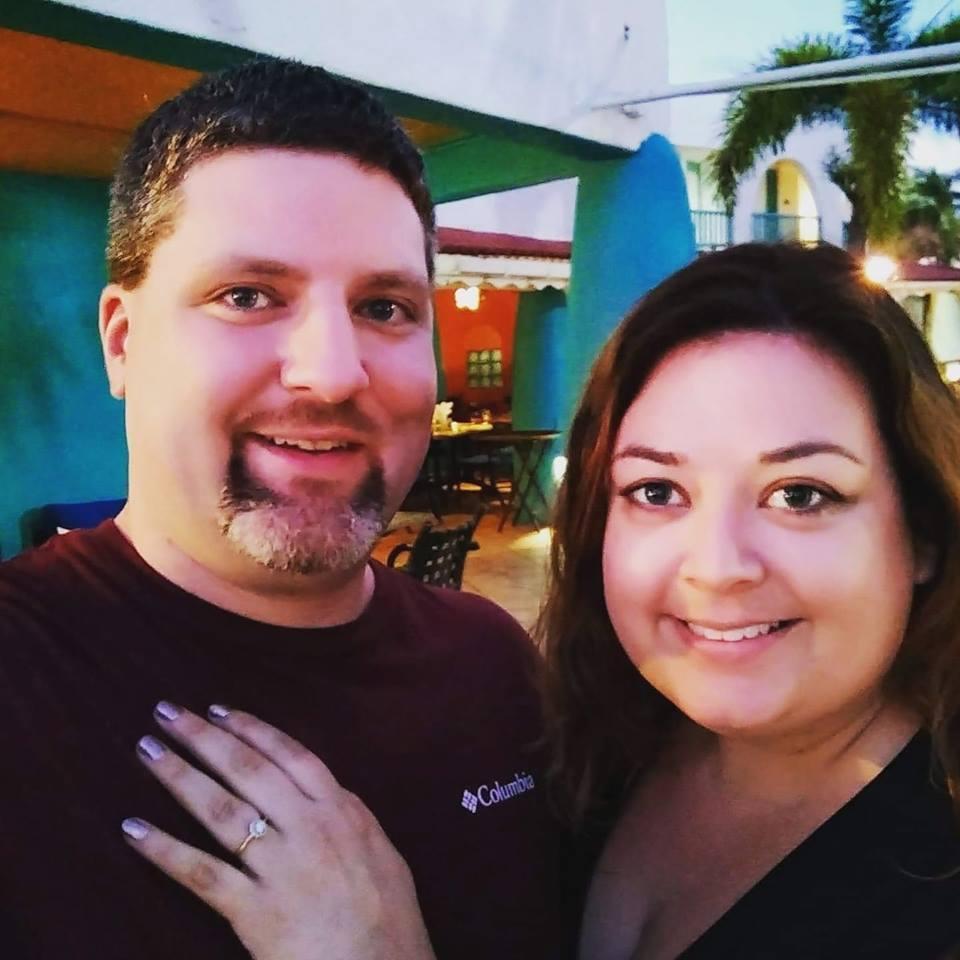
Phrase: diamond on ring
x=255 y=831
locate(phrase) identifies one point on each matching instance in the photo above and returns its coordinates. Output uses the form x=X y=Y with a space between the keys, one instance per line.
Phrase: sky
x=750 y=29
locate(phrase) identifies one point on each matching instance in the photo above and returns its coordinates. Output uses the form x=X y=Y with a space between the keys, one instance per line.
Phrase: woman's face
x=757 y=567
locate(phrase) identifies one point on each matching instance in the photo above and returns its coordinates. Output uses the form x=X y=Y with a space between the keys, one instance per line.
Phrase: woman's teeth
x=738 y=633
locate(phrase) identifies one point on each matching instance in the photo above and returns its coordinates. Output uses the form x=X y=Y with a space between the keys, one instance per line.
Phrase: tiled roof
x=478 y=243
x=927 y=273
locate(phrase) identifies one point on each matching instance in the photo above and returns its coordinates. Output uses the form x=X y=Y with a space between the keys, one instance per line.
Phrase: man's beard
x=314 y=531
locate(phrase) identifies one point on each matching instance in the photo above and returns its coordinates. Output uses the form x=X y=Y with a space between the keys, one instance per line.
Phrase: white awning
x=515 y=273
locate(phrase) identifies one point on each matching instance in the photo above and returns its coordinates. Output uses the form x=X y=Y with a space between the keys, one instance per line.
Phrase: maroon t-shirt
x=424 y=701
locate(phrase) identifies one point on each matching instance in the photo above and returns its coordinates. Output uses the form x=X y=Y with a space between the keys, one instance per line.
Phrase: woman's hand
x=323 y=880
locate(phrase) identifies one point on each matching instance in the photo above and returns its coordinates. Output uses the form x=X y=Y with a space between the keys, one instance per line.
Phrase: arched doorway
x=786 y=208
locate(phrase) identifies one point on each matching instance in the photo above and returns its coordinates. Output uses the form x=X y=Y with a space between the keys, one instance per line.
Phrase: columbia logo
x=487 y=796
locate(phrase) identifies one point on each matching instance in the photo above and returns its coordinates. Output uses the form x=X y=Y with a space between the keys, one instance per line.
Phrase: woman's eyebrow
x=640 y=452
x=795 y=451
x=807 y=448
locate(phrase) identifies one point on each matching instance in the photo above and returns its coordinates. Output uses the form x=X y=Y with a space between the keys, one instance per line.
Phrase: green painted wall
x=482 y=164
x=61 y=434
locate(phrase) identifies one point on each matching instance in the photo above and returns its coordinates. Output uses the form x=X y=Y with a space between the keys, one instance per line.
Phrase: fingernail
x=134 y=828
x=166 y=711
x=218 y=712
x=151 y=748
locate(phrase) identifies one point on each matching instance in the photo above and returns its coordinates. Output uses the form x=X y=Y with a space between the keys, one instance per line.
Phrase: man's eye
x=383 y=310
x=656 y=493
x=246 y=298
x=800 y=498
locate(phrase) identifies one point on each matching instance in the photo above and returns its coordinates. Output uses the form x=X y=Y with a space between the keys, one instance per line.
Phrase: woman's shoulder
x=881 y=878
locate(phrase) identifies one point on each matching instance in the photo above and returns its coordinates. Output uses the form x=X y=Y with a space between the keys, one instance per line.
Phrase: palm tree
x=930 y=221
x=878 y=116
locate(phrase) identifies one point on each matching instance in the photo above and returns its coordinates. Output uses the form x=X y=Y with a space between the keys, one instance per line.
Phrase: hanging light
x=467 y=298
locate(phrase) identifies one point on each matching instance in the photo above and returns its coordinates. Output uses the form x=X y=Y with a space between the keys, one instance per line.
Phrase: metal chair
x=438 y=556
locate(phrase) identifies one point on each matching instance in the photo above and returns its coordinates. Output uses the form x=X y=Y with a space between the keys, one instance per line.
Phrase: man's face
x=277 y=362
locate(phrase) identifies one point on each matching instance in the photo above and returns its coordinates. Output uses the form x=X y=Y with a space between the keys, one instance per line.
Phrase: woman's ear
x=925 y=559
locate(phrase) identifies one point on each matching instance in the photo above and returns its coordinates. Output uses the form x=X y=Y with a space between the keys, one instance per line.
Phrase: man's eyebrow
x=807 y=448
x=391 y=279
x=254 y=265
x=640 y=452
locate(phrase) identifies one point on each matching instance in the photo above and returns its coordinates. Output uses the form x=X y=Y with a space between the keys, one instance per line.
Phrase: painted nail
x=218 y=712
x=151 y=748
x=134 y=828
x=166 y=710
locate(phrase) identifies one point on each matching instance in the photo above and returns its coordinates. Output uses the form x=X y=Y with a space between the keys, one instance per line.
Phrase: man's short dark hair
x=260 y=103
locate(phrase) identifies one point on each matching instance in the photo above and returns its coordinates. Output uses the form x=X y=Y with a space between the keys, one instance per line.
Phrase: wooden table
x=531 y=447
x=442 y=471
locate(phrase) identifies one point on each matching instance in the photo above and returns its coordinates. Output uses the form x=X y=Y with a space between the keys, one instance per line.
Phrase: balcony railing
x=777 y=227
x=713 y=229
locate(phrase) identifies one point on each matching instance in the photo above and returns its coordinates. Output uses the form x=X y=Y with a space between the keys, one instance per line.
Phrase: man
x=268 y=325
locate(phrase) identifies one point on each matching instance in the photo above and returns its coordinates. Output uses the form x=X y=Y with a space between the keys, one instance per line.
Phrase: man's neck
x=245 y=588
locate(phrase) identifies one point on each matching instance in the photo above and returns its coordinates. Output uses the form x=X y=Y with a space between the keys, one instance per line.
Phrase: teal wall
x=537 y=383
x=632 y=229
x=61 y=434
x=537 y=360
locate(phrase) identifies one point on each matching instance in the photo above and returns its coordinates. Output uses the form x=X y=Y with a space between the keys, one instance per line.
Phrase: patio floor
x=510 y=567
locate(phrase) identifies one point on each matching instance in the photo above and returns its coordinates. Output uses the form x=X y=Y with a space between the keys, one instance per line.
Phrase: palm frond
x=930 y=189
x=880 y=119
x=877 y=25
x=841 y=173
x=756 y=120
x=930 y=212
x=939 y=95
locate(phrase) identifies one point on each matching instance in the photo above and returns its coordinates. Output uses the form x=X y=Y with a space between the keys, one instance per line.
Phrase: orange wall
x=491 y=326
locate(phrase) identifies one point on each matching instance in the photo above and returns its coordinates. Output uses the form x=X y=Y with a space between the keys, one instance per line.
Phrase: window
x=484 y=368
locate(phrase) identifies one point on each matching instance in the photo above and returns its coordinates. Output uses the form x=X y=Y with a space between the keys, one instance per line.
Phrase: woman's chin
x=737 y=719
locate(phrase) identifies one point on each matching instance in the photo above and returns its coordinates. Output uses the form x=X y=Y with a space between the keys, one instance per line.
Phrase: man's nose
x=322 y=354
x=720 y=552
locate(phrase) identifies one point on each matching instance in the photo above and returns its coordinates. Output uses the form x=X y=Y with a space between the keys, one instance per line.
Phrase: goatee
x=313 y=530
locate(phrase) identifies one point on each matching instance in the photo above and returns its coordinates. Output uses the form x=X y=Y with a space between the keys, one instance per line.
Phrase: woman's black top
x=879 y=879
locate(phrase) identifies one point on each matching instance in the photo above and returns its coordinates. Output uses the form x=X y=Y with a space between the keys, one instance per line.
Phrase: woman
x=753 y=628
x=752 y=637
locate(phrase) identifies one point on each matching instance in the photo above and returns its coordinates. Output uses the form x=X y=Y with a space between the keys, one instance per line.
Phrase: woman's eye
x=656 y=493
x=246 y=298
x=800 y=498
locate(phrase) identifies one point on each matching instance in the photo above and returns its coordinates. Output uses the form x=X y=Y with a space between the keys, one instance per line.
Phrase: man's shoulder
x=465 y=618
x=56 y=575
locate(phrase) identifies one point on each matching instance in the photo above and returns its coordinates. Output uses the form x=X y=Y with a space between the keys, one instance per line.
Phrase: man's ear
x=114 y=328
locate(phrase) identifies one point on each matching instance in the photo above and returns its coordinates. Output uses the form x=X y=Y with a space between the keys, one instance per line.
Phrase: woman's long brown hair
x=605 y=721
